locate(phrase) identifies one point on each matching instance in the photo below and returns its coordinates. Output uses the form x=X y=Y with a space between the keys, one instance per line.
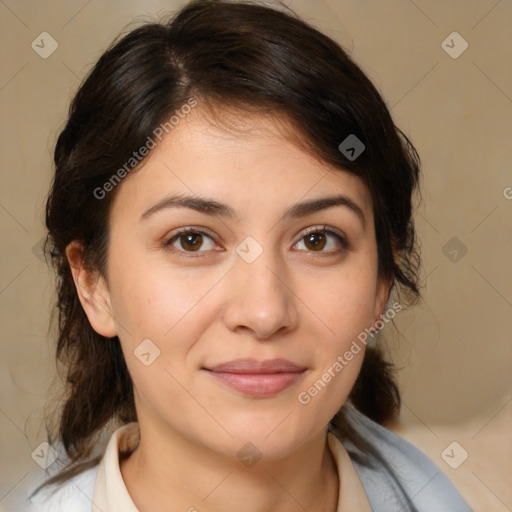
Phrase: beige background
x=455 y=349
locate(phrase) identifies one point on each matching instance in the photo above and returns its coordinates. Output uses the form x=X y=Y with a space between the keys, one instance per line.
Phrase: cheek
x=345 y=304
x=167 y=306
x=163 y=316
x=151 y=296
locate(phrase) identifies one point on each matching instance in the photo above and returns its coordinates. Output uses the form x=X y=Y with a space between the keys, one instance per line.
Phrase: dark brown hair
x=229 y=55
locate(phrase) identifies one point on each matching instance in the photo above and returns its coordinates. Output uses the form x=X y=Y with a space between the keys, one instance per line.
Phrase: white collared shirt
x=390 y=475
x=102 y=488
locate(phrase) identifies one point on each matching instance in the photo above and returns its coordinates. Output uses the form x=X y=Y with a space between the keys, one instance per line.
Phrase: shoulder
x=74 y=495
x=397 y=473
x=71 y=495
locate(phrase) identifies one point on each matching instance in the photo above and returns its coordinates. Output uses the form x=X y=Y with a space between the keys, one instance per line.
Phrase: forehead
x=241 y=158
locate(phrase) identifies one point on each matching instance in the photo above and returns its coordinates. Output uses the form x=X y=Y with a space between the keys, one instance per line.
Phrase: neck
x=165 y=470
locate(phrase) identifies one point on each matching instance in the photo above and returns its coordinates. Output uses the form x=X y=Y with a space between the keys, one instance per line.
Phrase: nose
x=260 y=298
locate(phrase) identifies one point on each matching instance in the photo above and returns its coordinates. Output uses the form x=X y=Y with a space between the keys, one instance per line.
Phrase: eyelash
x=197 y=254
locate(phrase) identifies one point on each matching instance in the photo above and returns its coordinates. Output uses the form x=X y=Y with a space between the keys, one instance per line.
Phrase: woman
x=230 y=211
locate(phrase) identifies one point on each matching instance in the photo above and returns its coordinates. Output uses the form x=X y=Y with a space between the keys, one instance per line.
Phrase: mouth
x=257 y=378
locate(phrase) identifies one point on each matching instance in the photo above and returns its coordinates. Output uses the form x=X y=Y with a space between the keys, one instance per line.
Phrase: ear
x=384 y=286
x=92 y=291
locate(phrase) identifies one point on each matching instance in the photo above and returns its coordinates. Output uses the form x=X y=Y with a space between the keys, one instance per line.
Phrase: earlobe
x=382 y=298
x=92 y=291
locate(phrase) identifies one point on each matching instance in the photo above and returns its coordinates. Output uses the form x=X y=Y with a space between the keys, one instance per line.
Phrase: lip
x=254 y=366
x=258 y=378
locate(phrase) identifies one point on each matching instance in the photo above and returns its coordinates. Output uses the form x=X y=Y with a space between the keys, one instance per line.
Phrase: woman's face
x=268 y=271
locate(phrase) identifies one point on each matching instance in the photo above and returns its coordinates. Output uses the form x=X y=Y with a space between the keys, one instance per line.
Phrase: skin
x=297 y=301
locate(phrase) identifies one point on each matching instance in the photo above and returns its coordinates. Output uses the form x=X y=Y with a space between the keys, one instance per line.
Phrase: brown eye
x=316 y=240
x=191 y=241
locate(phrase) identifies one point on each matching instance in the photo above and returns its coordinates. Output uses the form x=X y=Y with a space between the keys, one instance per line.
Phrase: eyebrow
x=214 y=208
